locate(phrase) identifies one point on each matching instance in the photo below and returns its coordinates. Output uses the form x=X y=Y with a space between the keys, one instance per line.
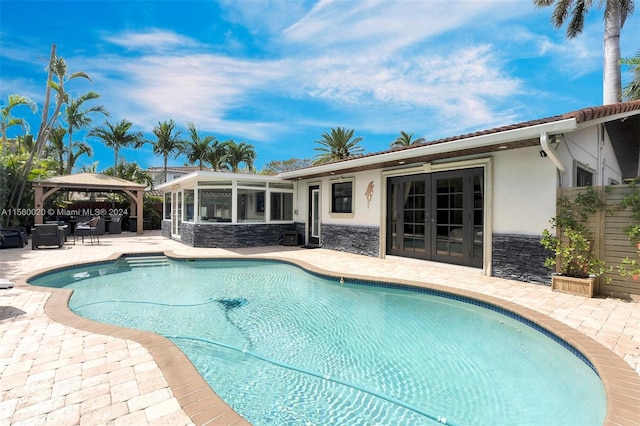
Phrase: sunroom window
x=251 y=205
x=188 y=205
x=215 y=205
x=281 y=206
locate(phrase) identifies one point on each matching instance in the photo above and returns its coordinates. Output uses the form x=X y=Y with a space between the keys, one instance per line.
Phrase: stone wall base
x=520 y=257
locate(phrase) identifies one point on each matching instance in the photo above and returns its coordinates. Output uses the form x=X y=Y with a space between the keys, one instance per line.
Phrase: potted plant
x=575 y=262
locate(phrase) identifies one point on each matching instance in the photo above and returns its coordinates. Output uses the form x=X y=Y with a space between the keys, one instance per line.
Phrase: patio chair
x=14 y=236
x=115 y=226
x=47 y=235
x=89 y=228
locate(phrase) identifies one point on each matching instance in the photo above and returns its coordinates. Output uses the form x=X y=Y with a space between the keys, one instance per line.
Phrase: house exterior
x=479 y=200
x=174 y=172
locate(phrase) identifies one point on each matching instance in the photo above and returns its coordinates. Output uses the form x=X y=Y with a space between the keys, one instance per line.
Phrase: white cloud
x=156 y=39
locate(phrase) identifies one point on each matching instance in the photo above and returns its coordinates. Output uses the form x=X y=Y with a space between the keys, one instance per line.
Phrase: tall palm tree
x=631 y=91
x=79 y=117
x=168 y=143
x=198 y=149
x=405 y=139
x=239 y=153
x=337 y=145
x=118 y=136
x=58 y=68
x=615 y=15
x=7 y=120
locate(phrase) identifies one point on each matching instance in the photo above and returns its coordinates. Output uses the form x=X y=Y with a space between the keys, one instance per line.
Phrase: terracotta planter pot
x=580 y=286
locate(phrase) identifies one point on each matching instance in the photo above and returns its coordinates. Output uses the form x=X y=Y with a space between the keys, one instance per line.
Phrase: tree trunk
x=43 y=133
x=612 y=85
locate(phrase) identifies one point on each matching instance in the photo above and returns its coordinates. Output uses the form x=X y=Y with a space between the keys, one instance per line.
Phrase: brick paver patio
x=55 y=373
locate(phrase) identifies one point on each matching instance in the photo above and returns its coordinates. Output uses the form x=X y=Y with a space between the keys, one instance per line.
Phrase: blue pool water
x=284 y=346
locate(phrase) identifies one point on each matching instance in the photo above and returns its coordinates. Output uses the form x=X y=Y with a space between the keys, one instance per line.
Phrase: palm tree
x=217 y=155
x=632 y=90
x=117 y=136
x=56 y=147
x=92 y=168
x=405 y=139
x=168 y=143
x=337 y=145
x=131 y=172
x=198 y=149
x=615 y=15
x=78 y=118
x=58 y=68
x=58 y=150
x=239 y=153
x=7 y=120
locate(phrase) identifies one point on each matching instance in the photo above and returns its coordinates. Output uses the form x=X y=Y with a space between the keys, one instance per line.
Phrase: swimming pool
x=283 y=346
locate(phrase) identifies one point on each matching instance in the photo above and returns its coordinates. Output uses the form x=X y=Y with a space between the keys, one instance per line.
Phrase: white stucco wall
x=524 y=191
x=364 y=213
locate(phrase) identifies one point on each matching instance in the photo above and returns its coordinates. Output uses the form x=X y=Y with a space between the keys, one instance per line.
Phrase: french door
x=437 y=216
x=314 y=215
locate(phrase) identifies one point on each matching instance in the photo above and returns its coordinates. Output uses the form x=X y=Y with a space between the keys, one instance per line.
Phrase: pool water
x=284 y=346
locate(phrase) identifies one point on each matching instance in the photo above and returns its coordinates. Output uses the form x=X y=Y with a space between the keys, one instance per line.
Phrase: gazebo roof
x=88 y=182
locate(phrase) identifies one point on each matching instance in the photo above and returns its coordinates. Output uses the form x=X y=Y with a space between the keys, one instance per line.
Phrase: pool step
x=138 y=261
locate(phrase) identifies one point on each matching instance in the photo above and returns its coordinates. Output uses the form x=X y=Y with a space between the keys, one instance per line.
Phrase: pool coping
x=204 y=406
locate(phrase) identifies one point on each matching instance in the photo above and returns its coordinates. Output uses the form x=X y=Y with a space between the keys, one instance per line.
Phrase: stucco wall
x=524 y=191
x=365 y=212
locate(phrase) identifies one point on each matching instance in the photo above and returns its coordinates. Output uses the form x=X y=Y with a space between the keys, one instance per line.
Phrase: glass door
x=176 y=214
x=437 y=216
x=314 y=215
x=409 y=233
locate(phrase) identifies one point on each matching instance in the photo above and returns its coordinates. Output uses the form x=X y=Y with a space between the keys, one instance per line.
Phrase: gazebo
x=89 y=182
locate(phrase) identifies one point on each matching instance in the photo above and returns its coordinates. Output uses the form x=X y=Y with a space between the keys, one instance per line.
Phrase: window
x=250 y=205
x=215 y=205
x=342 y=197
x=281 y=206
x=167 y=205
x=188 y=205
x=584 y=176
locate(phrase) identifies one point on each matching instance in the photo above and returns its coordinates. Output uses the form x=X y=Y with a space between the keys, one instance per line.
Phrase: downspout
x=544 y=144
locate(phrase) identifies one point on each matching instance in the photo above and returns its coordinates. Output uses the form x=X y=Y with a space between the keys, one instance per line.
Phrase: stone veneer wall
x=166 y=228
x=351 y=239
x=520 y=257
x=233 y=236
x=300 y=229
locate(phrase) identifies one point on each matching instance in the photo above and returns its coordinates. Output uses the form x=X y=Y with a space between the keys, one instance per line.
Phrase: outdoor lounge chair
x=13 y=237
x=47 y=235
x=115 y=226
x=89 y=228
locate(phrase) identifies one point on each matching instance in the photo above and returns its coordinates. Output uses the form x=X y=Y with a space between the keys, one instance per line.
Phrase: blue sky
x=277 y=74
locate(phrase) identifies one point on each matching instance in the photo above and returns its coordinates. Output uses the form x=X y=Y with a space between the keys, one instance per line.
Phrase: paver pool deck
x=59 y=369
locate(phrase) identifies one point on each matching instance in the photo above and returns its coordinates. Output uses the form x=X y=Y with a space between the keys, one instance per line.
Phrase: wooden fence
x=610 y=242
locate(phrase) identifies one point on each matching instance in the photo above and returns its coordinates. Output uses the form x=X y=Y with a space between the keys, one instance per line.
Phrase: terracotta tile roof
x=593 y=113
